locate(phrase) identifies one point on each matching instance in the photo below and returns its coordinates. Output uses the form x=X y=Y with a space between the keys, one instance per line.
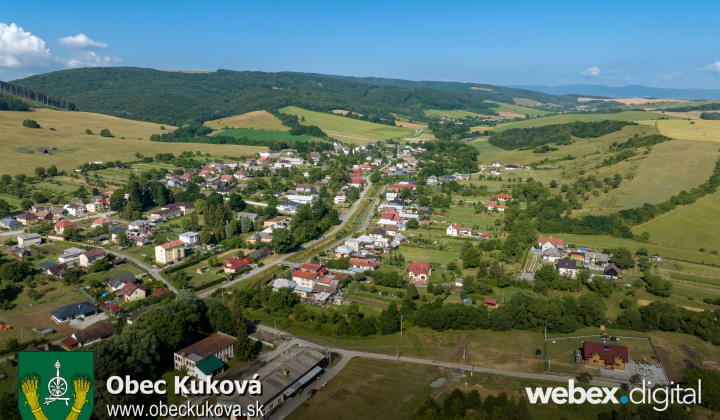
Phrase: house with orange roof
x=170 y=252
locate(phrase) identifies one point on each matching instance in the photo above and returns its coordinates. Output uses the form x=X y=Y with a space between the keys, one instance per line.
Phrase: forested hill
x=490 y=92
x=172 y=97
x=31 y=95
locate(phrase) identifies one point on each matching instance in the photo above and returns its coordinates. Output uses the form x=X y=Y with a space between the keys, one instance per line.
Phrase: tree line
x=515 y=138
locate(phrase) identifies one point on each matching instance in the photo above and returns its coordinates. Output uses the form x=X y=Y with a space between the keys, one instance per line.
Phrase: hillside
x=630 y=91
x=74 y=147
x=172 y=97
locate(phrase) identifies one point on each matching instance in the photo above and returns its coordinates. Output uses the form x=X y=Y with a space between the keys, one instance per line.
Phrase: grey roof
x=251 y=216
x=46 y=264
x=10 y=222
x=259 y=254
x=118 y=229
x=29 y=236
x=120 y=279
x=552 y=252
x=280 y=283
x=566 y=264
x=74 y=309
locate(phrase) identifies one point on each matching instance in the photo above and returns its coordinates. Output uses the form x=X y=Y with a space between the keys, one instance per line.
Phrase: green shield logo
x=55 y=385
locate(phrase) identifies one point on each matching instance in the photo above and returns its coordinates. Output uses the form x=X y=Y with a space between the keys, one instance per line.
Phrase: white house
x=190 y=237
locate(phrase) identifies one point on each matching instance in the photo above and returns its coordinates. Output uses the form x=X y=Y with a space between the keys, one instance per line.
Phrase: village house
x=75 y=209
x=133 y=292
x=207 y=357
x=234 y=264
x=490 y=302
x=26 y=219
x=456 y=230
x=73 y=311
x=252 y=216
x=89 y=257
x=612 y=271
x=116 y=231
x=61 y=225
x=502 y=197
x=28 y=240
x=89 y=335
x=190 y=237
x=604 y=355
x=547 y=242
x=419 y=272
x=11 y=224
x=118 y=281
x=101 y=221
x=170 y=252
x=567 y=268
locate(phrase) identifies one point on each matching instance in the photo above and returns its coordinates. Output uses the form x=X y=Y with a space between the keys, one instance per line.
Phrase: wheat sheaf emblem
x=57 y=389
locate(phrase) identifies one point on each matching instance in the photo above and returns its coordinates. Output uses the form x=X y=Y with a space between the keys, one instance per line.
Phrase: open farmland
x=695 y=226
x=347 y=129
x=664 y=105
x=262 y=134
x=648 y=180
x=257 y=120
x=74 y=147
x=517 y=111
x=636 y=101
x=355 y=392
x=586 y=117
x=454 y=113
x=701 y=130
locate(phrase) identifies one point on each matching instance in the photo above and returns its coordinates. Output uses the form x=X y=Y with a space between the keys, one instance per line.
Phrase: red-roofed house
x=455 y=229
x=390 y=215
x=491 y=205
x=491 y=303
x=399 y=187
x=605 y=355
x=233 y=264
x=133 y=291
x=116 y=310
x=547 y=242
x=357 y=183
x=62 y=225
x=159 y=292
x=102 y=221
x=502 y=197
x=363 y=264
x=419 y=272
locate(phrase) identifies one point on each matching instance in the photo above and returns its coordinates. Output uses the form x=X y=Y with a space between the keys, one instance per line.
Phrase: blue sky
x=660 y=43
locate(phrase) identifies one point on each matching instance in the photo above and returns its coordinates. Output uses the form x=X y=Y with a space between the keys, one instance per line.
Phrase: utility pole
x=464 y=348
x=401 y=322
x=398 y=354
x=472 y=368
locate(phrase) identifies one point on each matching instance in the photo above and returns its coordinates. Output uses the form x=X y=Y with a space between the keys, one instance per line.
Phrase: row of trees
x=515 y=138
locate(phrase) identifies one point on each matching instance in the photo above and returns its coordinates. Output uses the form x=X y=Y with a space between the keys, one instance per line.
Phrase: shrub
x=31 y=124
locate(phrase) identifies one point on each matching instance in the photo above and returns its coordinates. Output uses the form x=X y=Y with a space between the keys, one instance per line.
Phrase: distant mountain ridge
x=629 y=91
x=173 y=97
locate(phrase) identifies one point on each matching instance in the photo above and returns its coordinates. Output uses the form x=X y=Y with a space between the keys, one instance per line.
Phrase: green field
x=74 y=147
x=585 y=117
x=452 y=113
x=700 y=130
x=664 y=105
x=354 y=393
x=262 y=134
x=649 y=179
x=349 y=130
x=521 y=111
x=693 y=227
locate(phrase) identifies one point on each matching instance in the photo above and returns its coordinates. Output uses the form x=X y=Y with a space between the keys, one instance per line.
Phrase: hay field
x=515 y=109
x=526 y=102
x=75 y=147
x=694 y=226
x=258 y=120
x=410 y=125
x=701 y=130
x=635 y=101
x=670 y=167
x=349 y=130
x=585 y=117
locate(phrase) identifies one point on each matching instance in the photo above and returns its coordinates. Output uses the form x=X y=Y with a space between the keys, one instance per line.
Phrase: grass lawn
x=258 y=120
x=347 y=129
x=700 y=130
x=262 y=134
x=25 y=317
x=74 y=147
x=673 y=357
x=428 y=255
x=693 y=227
x=368 y=388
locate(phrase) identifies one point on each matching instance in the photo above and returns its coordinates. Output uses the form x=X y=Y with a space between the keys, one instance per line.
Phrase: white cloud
x=712 y=67
x=81 y=41
x=669 y=76
x=90 y=59
x=591 y=72
x=19 y=48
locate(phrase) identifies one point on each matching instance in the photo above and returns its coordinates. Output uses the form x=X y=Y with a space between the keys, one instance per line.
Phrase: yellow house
x=605 y=355
x=170 y=252
x=94 y=207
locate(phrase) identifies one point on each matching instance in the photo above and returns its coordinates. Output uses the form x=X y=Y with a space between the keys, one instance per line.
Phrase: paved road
x=343 y=219
x=154 y=272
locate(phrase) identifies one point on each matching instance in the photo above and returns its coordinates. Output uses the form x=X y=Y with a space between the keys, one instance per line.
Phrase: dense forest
x=515 y=138
x=11 y=103
x=710 y=116
x=173 y=97
x=713 y=106
x=33 y=95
